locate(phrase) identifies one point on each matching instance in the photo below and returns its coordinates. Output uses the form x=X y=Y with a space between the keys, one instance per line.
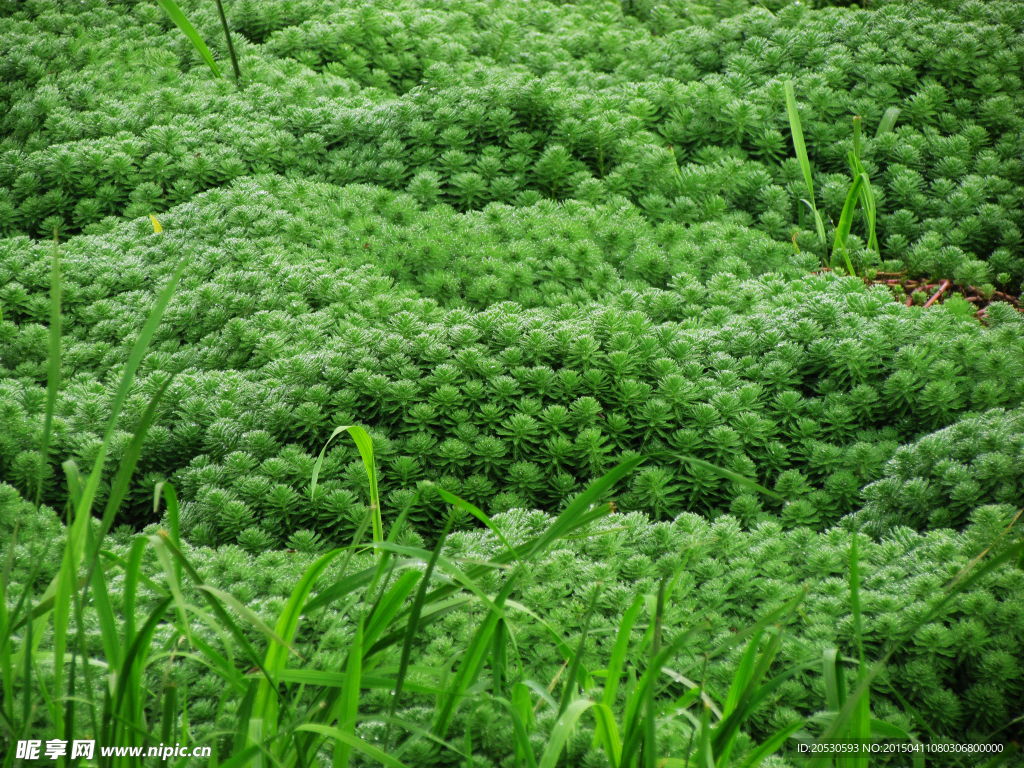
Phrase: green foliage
x=519 y=245
x=520 y=355
x=512 y=103
x=729 y=579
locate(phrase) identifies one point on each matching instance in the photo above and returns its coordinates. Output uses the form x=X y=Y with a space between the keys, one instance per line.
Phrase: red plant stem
x=942 y=287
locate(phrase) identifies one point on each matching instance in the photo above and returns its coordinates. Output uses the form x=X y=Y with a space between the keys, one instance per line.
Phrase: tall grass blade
x=797 y=131
x=414 y=618
x=735 y=477
x=181 y=21
x=134 y=659
x=350 y=698
x=770 y=746
x=365 y=445
x=832 y=671
x=523 y=748
x=888 y=121
x=354 y=742
x=856 y=139
x=231 y=45
x=472 y=661
x=569 y=689
x=478 y=514
x=567 y=520
x=211 y=598
x=582 y=511
x=389 y=605
x=53 y=364
x=266 y=707
x=845 y=221
x=621 y=648
x=563 y=728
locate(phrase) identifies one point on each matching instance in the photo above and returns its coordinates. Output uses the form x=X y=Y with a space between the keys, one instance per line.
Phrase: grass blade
x=888 y=121
x=523 y=748
x=390 y=603
x=581 y=512
x=53 y=364
x=797 y=131
x=214 y=603
x=832 y=673
x=966 y=578
x=585 y=501
x=771 y=745
x=365 y=445
x=477 y=513
x=733 y=476
x=354 y=742
x=181 y=21
x=266 y=707
x=472 y=662
x=563 y=728
x=619 y=651
x=845 y=221
x=414 y=618
x=231 y=45
x=349 y=698
x=568 y=690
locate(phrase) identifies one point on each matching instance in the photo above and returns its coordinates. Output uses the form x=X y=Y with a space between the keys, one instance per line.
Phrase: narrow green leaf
x=966 y=578
x=390 y=604
x=174 y=584
x=231 y=45
x=414 y=618
x=519 y=714
x=473 y=660
x=856 y=139
x=830 y=663
x=107 y=622
x=845 y=221
x=563 y=728
x=211 y=598
x=136 y=651
x=771 y=745
x=888 y=121
x=477 y=513
x=743 y=675
x=569 y=689
x=582 y=503
x=181 y=21
x=53 y=364
x=170 y=714
x=730 y=475
x=349 y=698
x=796 y=129
x=620 y=651
x=354 y=742
x=365 y=445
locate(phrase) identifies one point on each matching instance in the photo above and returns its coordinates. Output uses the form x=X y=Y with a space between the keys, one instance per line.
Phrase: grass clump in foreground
x=284 y=711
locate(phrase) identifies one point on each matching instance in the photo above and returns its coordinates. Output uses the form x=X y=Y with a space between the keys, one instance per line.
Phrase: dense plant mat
x=960 y=675
x=669 y=107
x=511 y=360
x=684 y=341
